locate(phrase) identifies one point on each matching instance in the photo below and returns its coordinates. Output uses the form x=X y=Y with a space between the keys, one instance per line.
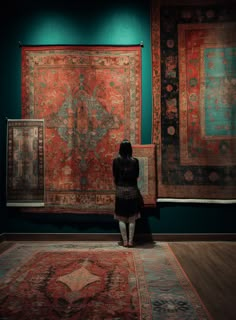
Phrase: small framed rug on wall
x=25 y=163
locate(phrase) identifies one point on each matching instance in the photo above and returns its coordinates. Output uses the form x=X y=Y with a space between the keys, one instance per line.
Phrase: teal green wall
x=104 y=22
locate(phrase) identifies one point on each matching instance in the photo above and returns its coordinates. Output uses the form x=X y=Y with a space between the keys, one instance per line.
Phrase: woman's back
x=127 y=199
x=125 y=171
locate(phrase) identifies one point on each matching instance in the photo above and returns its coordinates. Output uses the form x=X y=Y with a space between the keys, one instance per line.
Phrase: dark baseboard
x=116 y=237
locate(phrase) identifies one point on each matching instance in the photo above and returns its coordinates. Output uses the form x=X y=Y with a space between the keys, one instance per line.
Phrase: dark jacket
x=125 y=171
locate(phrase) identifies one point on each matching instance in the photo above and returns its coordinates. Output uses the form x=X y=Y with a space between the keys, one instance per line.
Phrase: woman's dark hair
x=126 y=150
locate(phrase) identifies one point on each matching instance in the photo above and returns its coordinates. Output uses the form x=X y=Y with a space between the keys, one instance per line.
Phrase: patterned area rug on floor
x=87 y=280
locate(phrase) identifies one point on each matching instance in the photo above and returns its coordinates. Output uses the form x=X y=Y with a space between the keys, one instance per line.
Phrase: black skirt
x=127 y=203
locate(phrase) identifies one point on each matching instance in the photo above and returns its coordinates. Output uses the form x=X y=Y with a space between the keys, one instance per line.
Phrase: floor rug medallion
x=86 y=280
x=90 y=98
x=193 y=111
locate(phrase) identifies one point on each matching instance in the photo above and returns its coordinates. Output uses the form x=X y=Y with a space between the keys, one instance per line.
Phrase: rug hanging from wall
x=194 y=89
x=25 y=163
x=90 y=99
x=87 y=280
x=146 y=154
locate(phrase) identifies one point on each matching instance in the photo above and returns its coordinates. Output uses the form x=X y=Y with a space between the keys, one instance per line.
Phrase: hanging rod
x=82 y=45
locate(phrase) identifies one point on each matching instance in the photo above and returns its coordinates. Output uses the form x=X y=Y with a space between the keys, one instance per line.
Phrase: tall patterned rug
x=90 y=99
x=194 y=122
x=146 y=155
x=25 y=163
x=87 y=280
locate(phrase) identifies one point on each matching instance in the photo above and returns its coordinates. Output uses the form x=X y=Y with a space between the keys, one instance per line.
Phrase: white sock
x=123 y=231
x=131 y=231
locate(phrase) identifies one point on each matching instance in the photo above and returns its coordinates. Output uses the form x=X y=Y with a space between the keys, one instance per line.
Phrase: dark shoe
x=125 y=244
x=130 y=244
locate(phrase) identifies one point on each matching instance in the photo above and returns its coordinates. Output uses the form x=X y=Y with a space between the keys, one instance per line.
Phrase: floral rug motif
x=87 y=280
x=193 y=55
x=90 y=99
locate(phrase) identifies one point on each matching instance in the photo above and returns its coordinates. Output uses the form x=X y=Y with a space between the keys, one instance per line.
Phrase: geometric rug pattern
x=194 y=85
x=90 y=99
x=25 y=162
x=88 y=280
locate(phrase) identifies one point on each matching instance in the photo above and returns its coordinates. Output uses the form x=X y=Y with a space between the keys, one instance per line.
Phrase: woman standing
x=127 y=200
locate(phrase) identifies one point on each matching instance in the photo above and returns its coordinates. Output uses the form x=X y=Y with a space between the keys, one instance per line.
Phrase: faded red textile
x=90 y=99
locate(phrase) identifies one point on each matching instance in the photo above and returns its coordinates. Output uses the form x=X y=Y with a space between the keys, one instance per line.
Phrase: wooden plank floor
x=211 y=268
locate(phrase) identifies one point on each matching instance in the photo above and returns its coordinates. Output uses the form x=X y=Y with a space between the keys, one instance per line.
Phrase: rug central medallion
x=78 y=279
x=90 y=99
